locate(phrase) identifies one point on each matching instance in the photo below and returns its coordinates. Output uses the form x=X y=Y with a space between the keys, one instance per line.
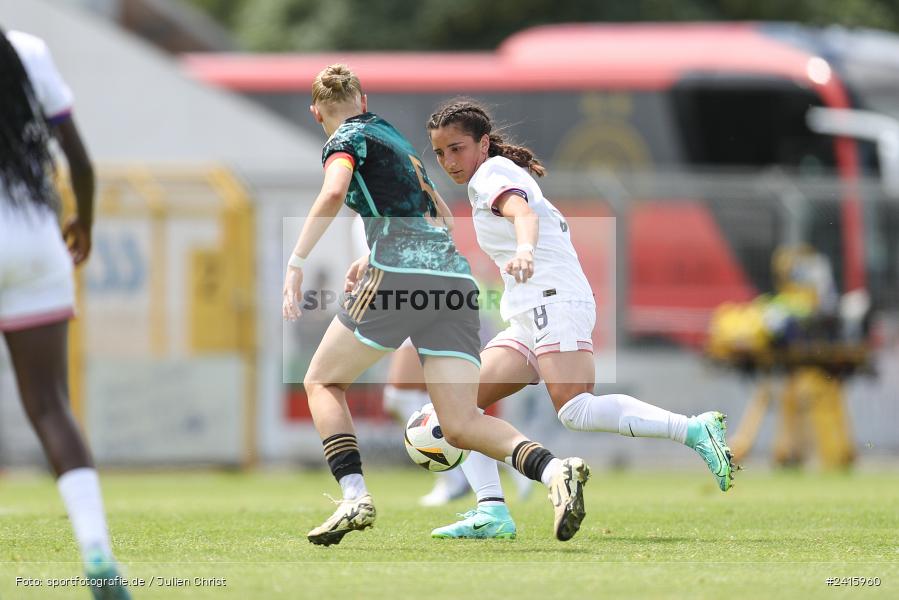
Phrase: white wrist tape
x=525 y=248
x=296 y=261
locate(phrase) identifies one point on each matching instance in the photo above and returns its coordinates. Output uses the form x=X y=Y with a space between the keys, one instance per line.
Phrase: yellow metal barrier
x=220 y=305
x=75 y=350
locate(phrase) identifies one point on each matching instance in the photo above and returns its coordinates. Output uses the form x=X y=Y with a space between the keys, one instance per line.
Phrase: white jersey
x=359 y=241
x=53 y=94
x=36 y=286
x=557 y=271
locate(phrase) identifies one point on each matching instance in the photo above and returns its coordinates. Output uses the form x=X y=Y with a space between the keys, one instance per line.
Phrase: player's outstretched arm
x=527 y=224
x=326 y=206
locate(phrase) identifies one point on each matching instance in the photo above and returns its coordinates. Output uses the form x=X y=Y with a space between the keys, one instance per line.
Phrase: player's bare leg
x=570 y=379
x=567 y=374
x=452 y=383
x=39 y=358
x=405 y=393
x=40 y=362
x=504 y=371
x=453 y=386
x=340 y=359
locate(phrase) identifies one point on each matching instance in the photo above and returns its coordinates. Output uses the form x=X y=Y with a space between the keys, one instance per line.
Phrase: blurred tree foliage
x=273 y=25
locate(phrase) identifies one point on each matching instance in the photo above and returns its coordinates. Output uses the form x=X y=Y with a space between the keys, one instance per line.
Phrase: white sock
x=483 y=476
x=550 y=470
x=401 y=403
x=622 y=414
x=352 y=486
x=455 y=478
x=80 y=491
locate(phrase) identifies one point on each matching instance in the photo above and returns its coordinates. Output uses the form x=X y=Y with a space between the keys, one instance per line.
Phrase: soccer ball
x=426 y=445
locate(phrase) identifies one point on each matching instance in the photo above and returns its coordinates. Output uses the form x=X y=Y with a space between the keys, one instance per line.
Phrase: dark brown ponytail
x=475 y=121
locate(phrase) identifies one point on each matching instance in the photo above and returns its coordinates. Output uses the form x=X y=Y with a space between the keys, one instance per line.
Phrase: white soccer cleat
x=566 y=491
x=351 y=515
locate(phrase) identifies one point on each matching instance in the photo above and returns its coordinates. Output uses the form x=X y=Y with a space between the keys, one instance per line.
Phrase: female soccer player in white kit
x=37 y=294
x=550 y=309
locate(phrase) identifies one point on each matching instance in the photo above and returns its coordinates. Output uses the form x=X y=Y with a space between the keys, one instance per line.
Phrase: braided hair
x=25 y=160
x=474 y=120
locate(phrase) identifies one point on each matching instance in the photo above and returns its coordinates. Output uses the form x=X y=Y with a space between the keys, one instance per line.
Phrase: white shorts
x=36 y=286
x=557 y=327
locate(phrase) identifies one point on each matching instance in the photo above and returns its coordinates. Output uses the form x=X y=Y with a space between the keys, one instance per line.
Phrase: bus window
x=755 y=125
x=750 y=123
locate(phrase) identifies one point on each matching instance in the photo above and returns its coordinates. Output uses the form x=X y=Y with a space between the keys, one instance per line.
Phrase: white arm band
x=525 y=248
x=296 y=261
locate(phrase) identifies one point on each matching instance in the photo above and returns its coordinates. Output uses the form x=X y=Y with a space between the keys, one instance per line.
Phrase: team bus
x=694 y=109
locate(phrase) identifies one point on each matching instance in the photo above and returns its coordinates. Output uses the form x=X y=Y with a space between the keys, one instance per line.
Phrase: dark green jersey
x=392 y=192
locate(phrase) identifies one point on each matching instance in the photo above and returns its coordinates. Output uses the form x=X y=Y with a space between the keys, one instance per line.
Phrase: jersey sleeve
x=496 y=181
x=359 y=241
x=53 y=94
x=347 y=144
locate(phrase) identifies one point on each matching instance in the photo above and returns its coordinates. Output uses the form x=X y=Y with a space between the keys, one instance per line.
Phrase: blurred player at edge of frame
x=37 y=294
x=550 y=308
x=371 y=167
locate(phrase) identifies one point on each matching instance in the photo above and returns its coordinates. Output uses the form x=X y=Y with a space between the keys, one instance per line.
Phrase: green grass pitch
x=647 y=535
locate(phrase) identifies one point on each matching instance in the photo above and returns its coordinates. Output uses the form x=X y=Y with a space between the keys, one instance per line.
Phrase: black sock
x=342 y=454
x=492 y=499
x=530 y=458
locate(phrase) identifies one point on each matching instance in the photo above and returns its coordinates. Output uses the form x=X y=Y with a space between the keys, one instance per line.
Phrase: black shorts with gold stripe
x=439 y=313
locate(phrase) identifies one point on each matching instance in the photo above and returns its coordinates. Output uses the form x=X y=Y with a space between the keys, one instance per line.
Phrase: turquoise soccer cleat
x=705 y=434
x=483 y=522
x=104 y=579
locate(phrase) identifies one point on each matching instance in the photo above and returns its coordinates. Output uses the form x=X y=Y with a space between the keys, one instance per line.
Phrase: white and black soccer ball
x=426 y=445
